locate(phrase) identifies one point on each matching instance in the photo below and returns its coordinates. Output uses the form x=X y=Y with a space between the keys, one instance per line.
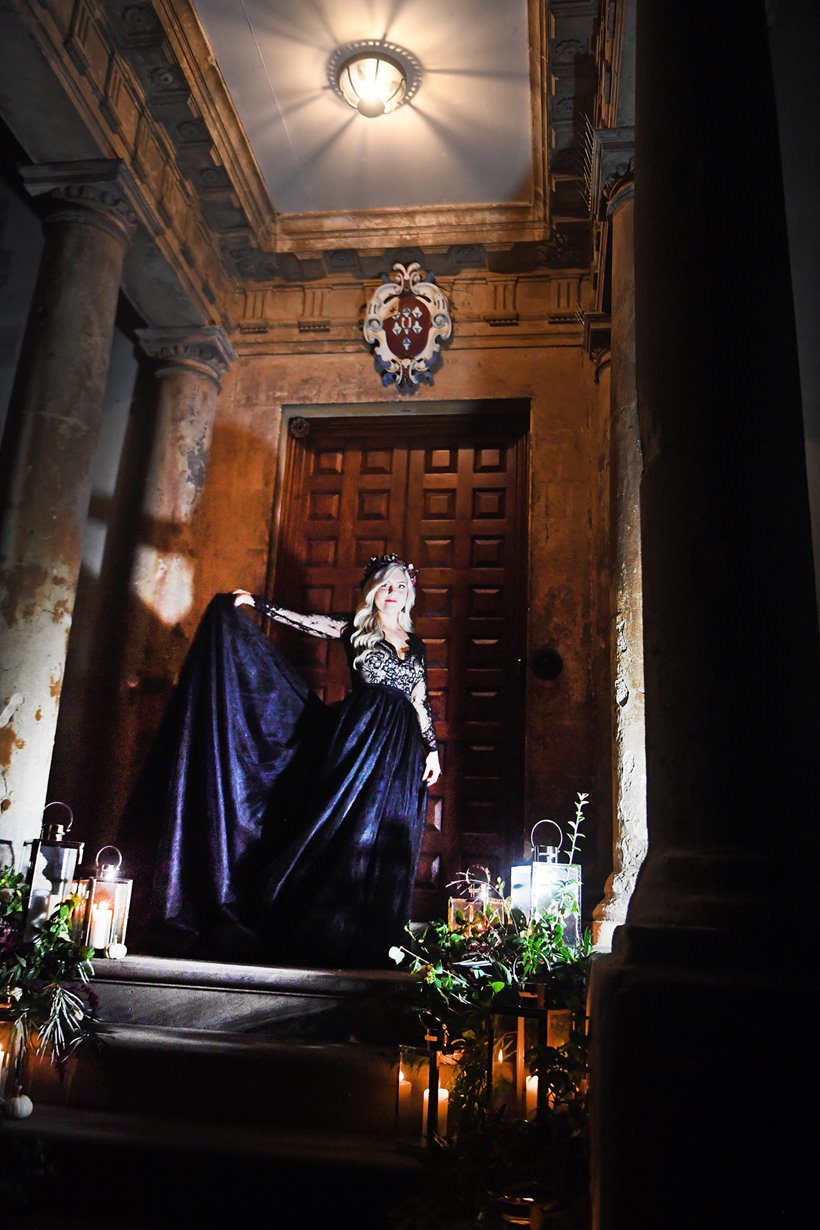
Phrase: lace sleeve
x=325 y=626
x=421 y=703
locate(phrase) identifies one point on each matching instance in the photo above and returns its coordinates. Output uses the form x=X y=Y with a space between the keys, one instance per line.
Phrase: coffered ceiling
x=483 y=167
x=252 y=170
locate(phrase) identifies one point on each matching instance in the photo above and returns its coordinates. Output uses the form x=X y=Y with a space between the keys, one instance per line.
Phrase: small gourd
x=18 y=1107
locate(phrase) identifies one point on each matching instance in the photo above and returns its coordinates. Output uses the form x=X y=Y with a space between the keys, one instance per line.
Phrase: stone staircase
x=218 y=1089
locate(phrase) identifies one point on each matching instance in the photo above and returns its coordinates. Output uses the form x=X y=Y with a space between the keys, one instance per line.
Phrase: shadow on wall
x=124 y=658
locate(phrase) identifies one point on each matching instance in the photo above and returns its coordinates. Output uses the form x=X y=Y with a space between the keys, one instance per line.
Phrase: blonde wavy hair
x=367 y=632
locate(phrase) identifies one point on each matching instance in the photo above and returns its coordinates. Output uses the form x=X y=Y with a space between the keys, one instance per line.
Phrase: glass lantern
x=546 y=886
x=425 y=1075
x=506 y=1062
x=105 y=899
x=6 y=1059
x=52 y=869
x=479 y=907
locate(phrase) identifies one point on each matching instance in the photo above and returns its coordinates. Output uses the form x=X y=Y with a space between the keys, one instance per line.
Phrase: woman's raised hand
x=241 y=597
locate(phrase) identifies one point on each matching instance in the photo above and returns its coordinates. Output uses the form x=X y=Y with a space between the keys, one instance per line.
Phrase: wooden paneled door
x=447 y=493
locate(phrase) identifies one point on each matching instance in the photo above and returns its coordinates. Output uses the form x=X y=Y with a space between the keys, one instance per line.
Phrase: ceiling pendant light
x=373 y=84
x=374 y=77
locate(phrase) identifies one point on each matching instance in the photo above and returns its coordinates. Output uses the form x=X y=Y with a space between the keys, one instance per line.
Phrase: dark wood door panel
x=448 y=492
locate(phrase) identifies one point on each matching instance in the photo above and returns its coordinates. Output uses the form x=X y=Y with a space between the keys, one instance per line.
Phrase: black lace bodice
x=382 y=667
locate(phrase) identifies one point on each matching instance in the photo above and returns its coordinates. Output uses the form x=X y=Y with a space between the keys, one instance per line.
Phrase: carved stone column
x=46 y=466
x=165 y=605
x=691 y=1125
x=628 y=727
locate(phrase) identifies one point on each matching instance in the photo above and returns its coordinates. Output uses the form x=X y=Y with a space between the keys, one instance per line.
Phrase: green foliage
x=481 y=965
x=468 y=977
x=44 y=981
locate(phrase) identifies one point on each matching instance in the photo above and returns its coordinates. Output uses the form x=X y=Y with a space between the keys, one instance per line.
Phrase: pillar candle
x=102 y=917
x=441 y=1121
x=404 y=1092
x=532 y=1096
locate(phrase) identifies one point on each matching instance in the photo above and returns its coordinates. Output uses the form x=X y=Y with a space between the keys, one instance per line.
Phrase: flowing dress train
x=280 y=829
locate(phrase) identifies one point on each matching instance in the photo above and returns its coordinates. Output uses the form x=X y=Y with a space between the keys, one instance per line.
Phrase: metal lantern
x=546 y=886
x=52 y=869
x=105 y=899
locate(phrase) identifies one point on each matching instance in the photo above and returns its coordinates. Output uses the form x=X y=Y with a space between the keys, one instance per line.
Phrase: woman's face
x=390 y=595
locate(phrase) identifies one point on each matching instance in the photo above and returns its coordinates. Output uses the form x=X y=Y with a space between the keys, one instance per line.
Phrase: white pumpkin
x=18 y=1107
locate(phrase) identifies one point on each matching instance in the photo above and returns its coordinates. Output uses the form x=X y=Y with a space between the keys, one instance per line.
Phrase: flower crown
x=376 y=562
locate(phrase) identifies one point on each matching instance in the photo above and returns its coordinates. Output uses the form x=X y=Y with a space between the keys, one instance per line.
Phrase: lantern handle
x=58 y=803
x=116 y=865
x=555 y=825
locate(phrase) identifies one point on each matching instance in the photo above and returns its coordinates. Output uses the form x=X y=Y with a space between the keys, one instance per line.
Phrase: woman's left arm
x=421 y=703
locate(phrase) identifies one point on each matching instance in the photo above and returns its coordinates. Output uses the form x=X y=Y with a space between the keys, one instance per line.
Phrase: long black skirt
x=271 y=827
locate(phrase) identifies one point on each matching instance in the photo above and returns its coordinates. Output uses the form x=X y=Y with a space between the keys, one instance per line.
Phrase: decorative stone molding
x=206 y=351
x=299 y=427
x=565 y=249
x=96 y=193
x=542 y=308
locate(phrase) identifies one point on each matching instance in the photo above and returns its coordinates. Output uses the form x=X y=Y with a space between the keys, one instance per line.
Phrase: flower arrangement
x=472 y=972
x=44 y=984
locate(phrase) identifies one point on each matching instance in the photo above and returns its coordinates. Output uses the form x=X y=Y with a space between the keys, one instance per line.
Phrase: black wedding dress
x=279 y=829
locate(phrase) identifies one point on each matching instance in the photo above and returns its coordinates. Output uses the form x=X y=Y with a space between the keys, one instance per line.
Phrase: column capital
x=597 y=335
x=95 y=192
x=618 y=189
x=613 y=162
x=205 y=351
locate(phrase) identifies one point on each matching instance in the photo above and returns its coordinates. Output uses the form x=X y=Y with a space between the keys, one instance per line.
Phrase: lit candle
x=502 y=1070
x=532 y=1095
x=404 y=1114
x=102 y=917
x=404 y=1091
x=441 y=1120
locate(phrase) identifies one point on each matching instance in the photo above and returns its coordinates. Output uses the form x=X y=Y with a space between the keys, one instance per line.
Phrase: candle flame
x=500 y=1054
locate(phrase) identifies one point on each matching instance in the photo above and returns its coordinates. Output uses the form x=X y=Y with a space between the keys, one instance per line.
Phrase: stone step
x=288 y=1050
x=317 y=1005
x=220 y=1077
x=229 y=1093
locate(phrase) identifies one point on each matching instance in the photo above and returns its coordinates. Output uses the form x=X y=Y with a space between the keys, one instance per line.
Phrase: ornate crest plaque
x=407 y=320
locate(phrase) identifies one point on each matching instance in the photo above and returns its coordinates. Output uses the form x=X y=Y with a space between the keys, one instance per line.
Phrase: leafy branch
x=574 y=826
x=44 y=980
